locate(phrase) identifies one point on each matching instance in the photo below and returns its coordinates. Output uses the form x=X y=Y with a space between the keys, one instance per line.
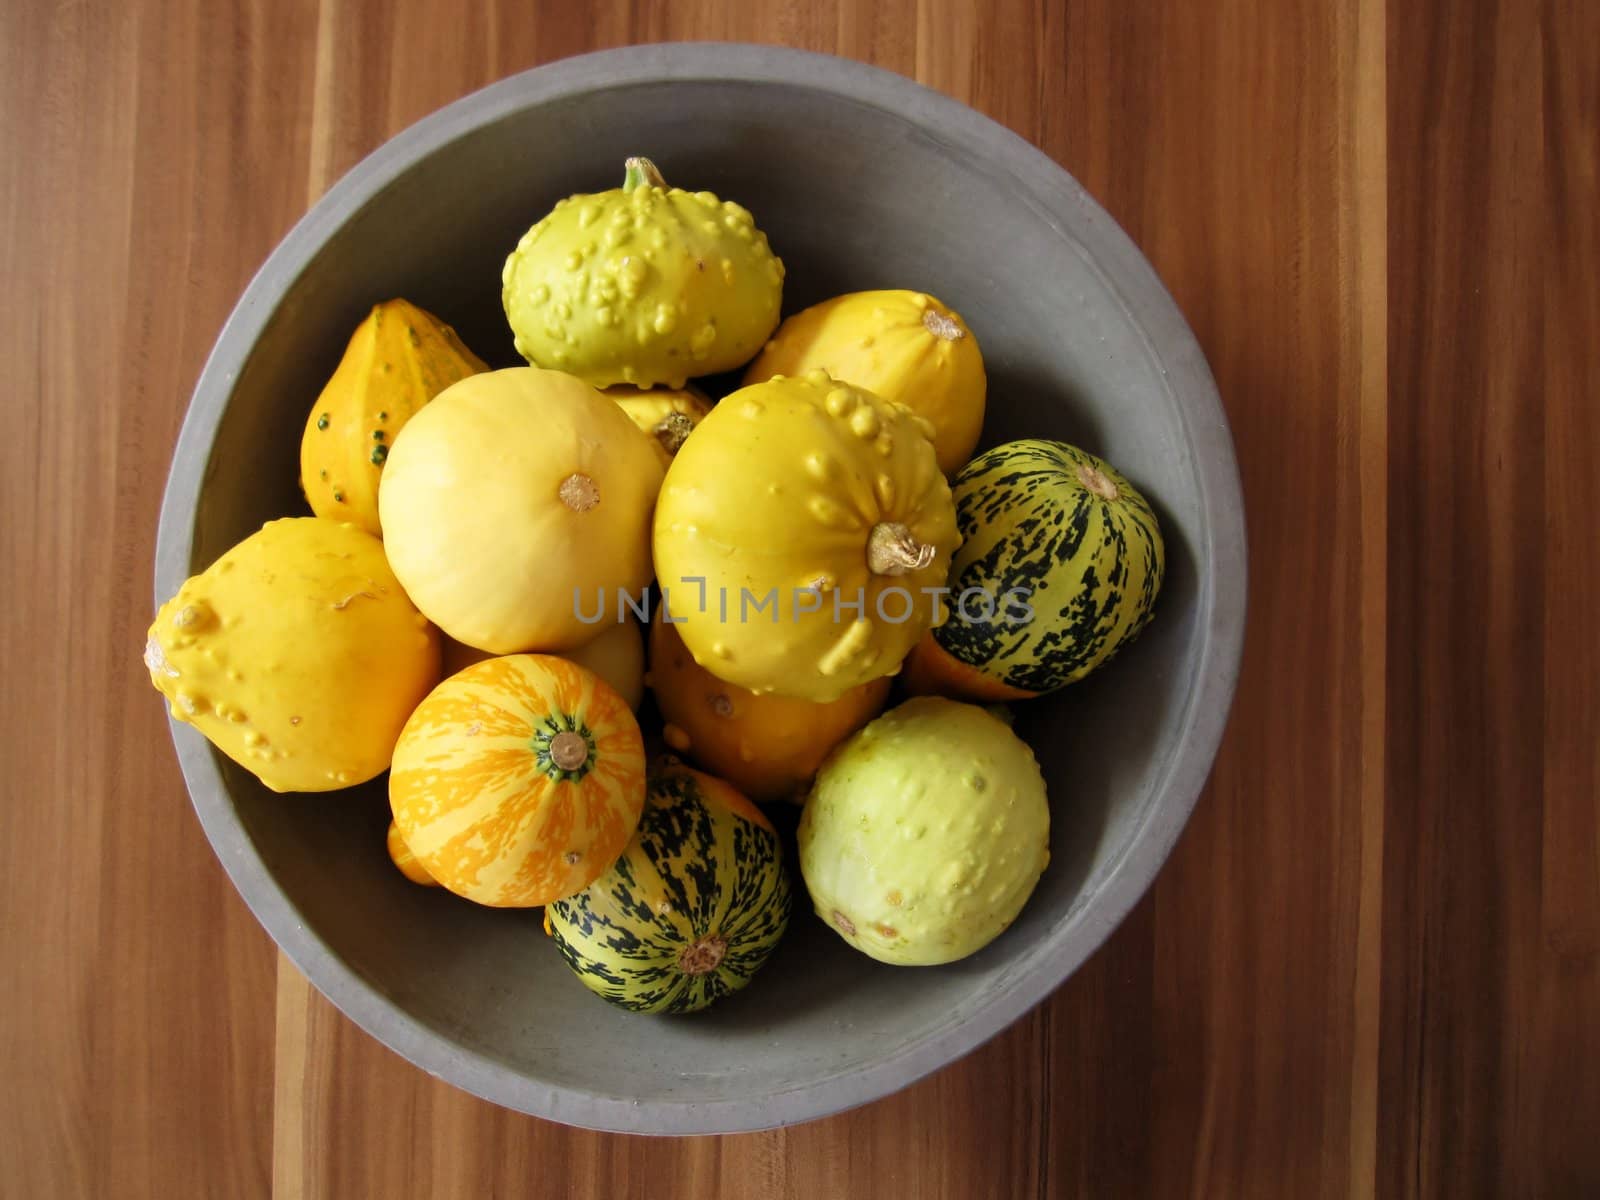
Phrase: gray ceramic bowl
x=862 y=179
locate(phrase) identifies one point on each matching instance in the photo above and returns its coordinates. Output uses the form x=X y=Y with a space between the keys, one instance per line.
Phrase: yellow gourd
x=405 y=861
x=769 y=746
x=642 y=284
x=398 y=359
x=616 y=654
x=516 y=502
x=925 y=833
x=905 y=346
x=801 y=535
x=668 y=415
x=297 y=654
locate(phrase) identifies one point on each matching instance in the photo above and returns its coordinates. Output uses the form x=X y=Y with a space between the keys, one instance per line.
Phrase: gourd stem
x=892 y=549
x=569 y=750
x=1098 y=482
x=703 y=956
x=641 y=172
x=578 y=492
x=941 y=326
x=672 y=430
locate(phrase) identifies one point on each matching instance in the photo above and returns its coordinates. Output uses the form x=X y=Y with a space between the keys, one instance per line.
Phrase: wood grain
x=1492 y=884
x=1371 y=964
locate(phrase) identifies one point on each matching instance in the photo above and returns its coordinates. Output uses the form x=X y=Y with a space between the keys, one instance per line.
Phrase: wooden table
x=1371 y=964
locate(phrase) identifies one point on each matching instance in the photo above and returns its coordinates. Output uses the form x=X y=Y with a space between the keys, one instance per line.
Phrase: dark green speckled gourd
x=693 y=908
x=1081 y=544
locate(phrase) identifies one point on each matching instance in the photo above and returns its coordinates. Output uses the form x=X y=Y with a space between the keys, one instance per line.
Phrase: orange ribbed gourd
x=519 y=780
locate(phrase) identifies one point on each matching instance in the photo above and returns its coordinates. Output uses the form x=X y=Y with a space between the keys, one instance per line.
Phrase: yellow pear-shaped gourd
x=642 y=284
x=297 y=654
x=801 y=536
x=514 y=504
x=905 y=346
x=668 y=415
x=398 y=359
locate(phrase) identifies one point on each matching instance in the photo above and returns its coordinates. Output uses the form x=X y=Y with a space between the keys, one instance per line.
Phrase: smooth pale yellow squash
x=824 y=505
x=398 y=359
x=297 y=654
x=514 y=503
x=905 y=346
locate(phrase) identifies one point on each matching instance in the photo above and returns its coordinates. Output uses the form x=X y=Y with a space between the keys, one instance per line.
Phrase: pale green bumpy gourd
x=925 y=833
x=643 y=284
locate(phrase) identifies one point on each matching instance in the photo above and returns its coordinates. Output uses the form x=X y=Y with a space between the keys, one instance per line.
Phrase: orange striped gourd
x=519 y=780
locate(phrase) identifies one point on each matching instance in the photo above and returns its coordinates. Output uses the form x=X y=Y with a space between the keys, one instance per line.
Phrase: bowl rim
x=1220 y=601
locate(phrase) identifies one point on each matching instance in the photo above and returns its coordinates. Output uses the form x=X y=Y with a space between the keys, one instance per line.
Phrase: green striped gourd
x=692 y=909
x=1081 y=541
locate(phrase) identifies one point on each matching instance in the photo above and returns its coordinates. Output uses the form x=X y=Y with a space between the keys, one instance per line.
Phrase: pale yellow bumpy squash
x=643 y=284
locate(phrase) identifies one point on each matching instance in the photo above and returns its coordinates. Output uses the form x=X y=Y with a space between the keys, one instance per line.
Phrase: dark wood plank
x=1492 y=886
x=1562 y=1087
x=1226 y=139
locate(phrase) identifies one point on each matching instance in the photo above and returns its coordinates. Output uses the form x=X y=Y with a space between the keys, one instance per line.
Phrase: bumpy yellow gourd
x=516 y=502
x=905 y=346
x=925 y=833
x=398 y=359
x=668 y=415
x=297 y=654
x=642 y=284
x=821 y=504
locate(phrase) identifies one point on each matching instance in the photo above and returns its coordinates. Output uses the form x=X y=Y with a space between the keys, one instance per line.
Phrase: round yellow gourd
x=801 y=535
x=297 y=654
x=616 y=654
x=515 y=501
x=905 y=346
x=642 y=284
x=668 y=415
x=925 y=833
x=398 y=359
x=768 y=747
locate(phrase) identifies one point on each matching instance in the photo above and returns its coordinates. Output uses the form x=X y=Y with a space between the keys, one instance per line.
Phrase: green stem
x=641 y=172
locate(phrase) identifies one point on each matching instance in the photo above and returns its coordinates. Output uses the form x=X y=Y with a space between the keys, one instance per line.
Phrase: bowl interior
x=853 y=195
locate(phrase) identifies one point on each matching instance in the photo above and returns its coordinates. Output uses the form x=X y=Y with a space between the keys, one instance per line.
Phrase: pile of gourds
x=463 y=608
